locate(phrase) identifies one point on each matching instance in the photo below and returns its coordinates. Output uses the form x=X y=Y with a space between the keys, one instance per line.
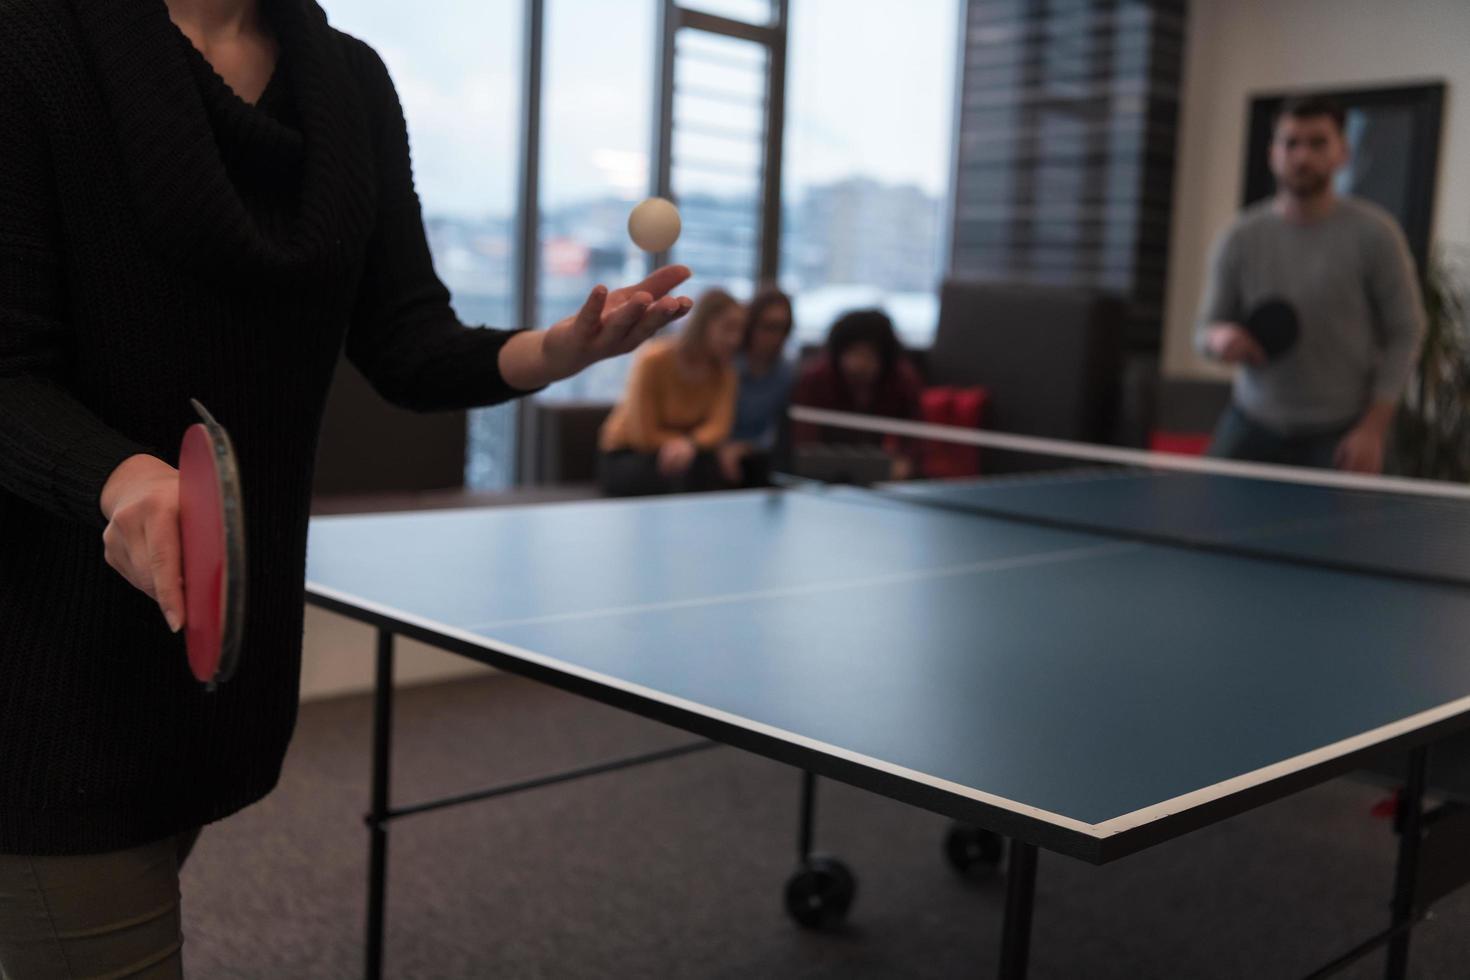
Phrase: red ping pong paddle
x=212 y=530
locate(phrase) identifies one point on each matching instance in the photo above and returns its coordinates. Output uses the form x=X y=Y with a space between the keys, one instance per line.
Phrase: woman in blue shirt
x=766 y=378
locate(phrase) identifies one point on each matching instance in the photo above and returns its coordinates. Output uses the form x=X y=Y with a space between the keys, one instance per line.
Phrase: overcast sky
x=870 y=91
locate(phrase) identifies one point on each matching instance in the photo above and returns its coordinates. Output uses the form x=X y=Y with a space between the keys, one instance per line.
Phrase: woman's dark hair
x=764 y=300
x=865 y=327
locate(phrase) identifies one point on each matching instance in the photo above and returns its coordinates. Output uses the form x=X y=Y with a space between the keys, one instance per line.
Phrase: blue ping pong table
x=1088 y=663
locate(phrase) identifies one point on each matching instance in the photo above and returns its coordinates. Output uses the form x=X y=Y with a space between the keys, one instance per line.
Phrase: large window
x=716 y=159
x=868 y=109
x=869 y=123
x=458 y=76
x=595 y=132
x=599 y=144
x=747 y=11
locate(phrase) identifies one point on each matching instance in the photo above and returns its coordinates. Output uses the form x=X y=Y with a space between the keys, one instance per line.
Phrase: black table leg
x=808 y=816
x=377 y=818
x=1015 y=942
x=820 y=892
x=1410 y=819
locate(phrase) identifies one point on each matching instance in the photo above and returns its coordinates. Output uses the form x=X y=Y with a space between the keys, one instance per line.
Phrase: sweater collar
x=184 y=197
x=256 y=144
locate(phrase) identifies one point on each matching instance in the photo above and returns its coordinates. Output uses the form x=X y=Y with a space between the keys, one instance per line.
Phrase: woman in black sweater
x=211 y=199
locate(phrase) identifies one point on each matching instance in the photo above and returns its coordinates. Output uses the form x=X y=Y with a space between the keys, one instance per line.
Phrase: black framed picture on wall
x=1393 y=133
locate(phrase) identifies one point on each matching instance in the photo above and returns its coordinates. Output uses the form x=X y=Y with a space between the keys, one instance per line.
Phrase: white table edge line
x=599 y=501
x=1081 y=553
x=1286 y=767
x=693 y=707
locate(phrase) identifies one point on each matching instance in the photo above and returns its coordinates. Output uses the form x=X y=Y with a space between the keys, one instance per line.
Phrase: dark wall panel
x=1068 y=120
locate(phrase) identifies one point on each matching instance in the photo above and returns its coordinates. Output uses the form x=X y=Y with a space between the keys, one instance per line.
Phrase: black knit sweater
x=161 y=239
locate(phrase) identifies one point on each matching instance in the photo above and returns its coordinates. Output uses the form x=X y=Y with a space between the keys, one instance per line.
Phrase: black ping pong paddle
x=1274 y=325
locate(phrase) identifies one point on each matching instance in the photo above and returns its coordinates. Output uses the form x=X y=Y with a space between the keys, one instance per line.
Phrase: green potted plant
x=1432 y=436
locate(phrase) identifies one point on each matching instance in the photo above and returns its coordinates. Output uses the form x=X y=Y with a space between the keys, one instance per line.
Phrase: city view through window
x=869 y=114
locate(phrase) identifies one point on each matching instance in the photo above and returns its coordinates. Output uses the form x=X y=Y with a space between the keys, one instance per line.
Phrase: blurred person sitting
x=766 y=378
x=863 y=370
x=678 y=408
x=1342 y=265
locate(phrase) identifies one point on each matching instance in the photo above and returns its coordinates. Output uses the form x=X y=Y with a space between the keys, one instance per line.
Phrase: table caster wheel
x=970 y=849
x=821 y=891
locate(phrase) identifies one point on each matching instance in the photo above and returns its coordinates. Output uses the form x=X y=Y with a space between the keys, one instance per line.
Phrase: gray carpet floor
x=676 y=869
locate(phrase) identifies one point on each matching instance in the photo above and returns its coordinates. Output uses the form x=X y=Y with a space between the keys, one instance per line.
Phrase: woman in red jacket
x=863 y=369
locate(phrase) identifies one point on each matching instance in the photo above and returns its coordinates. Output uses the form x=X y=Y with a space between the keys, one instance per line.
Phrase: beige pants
x=109 y=915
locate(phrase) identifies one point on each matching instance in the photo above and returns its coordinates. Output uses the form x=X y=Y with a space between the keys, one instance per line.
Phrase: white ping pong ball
x=654 y=225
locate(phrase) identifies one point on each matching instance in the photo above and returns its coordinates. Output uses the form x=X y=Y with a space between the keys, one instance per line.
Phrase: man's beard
x=1307 y=186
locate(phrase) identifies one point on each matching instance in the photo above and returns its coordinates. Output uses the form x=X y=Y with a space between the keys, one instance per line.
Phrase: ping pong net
x=1393 y=527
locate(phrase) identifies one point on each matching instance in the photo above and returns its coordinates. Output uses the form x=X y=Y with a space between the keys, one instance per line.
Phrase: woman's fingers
x=659 y=315
x=119 y=552
x=589 y=317
x=617 y=323
x=166 y=569
x=662 y=281
x=660 y=312
x=605 y=329
x=142 y=544
x=142 y=539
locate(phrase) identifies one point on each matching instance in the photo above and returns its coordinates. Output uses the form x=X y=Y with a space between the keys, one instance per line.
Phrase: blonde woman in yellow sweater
x=677 y=411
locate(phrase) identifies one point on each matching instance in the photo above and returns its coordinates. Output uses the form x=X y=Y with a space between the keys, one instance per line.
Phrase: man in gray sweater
x=1342 y=265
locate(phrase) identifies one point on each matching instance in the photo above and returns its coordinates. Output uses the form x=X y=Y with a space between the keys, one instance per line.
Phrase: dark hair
x=762 y=301
x=1311 y=107
x=865 y=327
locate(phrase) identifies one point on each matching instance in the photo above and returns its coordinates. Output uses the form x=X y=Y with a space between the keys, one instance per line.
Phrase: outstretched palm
x=613 y=323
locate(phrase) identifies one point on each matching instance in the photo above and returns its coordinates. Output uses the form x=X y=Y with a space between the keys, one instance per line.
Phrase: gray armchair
x=1051 y=358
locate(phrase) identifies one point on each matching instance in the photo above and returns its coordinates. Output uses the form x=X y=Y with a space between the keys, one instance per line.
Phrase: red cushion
x=1187 y=443
x=951 y=406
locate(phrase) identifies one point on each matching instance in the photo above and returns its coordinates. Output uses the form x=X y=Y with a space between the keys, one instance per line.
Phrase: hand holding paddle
x=141 y=504
x=1270 y=332
x=178 y=536
x=1231 y=343
x=1273 y=323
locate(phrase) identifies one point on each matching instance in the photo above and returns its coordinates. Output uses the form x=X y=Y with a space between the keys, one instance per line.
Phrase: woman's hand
x=731 y=454
x=676 y=456
x=609 y=324
x=142 y=541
